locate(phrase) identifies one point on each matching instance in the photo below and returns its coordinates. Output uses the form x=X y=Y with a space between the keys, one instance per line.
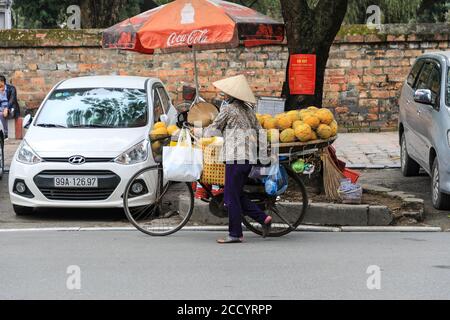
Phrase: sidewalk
x=369 y=150
x=10 y=148
x=358 y=150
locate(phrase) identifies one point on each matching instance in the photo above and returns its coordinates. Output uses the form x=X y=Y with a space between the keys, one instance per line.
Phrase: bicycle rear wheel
x=162 y=207
x=287 y=211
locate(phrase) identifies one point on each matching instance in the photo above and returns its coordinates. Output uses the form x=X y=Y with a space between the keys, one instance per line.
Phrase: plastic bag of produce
x=182 y=162
x=277 y=184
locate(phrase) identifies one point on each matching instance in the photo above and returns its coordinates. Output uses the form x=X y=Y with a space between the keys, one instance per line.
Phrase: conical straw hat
x=237 y=87
x=202 y=112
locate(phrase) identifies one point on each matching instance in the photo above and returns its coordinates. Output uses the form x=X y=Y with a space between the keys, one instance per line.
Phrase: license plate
x=76 y=182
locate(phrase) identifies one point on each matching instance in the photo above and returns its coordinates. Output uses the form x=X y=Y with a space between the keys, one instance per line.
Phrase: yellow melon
x=287 y=135
x=313 y=135
x=312 y=121
x=304 y=113
x=273 y=135
x=284 y=122
x=334 y=128
x=303 y=132
x=324 y=131
x=270 y=123
x=158 y=133
x=260 y=119
x=172 y=129
x=296 y=123
x=158 y=125
x=207 y=141
x=312 y=108
x=294 y=115
x=325 y=116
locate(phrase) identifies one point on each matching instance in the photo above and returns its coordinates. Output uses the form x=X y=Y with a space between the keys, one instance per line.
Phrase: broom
x=331 y=177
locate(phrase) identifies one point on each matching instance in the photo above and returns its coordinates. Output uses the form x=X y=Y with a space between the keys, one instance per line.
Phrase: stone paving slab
x=369 y=150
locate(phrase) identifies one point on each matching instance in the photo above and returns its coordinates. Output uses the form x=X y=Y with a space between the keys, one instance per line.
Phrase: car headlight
x=27 y=155
x=136 y=154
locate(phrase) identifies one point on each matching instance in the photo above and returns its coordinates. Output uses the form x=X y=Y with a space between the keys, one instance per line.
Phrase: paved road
x=190 y=265
x=420 y=186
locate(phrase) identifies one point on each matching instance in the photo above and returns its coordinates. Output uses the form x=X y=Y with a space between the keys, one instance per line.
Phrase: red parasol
x=194 y=24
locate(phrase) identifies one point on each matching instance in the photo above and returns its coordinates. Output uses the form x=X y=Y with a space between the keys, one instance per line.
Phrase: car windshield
x=94 y=108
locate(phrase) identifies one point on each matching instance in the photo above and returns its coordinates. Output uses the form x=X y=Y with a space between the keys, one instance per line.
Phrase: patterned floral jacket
x=238 y=124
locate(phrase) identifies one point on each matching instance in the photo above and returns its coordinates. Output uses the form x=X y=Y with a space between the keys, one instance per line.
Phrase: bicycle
x=167 y=206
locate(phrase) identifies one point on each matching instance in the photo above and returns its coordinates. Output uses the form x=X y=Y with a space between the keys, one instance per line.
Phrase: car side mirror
x=27 y=121
x=423 y=96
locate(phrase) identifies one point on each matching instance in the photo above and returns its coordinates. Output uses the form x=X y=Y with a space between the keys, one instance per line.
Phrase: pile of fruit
x=161 y=131
x=299 y=125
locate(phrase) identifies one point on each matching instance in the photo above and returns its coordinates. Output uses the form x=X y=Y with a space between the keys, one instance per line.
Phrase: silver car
x=424 y=124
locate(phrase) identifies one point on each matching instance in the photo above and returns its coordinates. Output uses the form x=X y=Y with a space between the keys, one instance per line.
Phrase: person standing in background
x=9 y=107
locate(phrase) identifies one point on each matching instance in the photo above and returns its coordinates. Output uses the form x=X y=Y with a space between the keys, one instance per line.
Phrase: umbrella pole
x=197 y=88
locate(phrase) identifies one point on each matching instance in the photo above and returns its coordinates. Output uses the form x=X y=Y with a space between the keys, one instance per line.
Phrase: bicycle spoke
x=274 y=210
x=151 y=212
x=168 y=212
x=287 y=210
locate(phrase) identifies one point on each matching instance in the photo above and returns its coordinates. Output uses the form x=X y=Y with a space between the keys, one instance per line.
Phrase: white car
x=89 y=137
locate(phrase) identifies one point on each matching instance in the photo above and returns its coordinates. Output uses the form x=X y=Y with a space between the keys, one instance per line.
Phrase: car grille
x=107 y=183
x=88 y=160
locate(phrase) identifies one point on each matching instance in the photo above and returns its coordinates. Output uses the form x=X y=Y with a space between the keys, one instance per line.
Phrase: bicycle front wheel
x=155 y=206
x=287 y=210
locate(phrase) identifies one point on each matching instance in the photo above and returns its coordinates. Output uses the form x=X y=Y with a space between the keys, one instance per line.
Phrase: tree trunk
x=311 y=31
x=100 y=13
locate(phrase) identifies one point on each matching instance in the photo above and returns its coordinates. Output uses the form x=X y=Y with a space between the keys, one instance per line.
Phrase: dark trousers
x=236 y=202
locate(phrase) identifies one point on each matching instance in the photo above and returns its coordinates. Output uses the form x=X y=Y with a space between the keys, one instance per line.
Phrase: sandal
x=266 y=226
x=229 y=239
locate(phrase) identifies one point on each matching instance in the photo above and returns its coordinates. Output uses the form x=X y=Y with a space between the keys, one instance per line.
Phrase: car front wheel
x=441 y=201
x=409 y=166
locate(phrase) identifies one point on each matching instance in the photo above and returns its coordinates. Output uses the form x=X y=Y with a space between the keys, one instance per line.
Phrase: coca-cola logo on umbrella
x=194 y=37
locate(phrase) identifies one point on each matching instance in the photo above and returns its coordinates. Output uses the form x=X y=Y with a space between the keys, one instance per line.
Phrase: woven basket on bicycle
x=213 y=167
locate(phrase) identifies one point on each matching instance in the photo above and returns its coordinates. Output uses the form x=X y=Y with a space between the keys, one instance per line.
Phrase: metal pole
x=197 y=87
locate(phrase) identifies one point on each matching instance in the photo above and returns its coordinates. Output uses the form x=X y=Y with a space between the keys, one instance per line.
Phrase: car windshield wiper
x=91 y=126
x=50 y=125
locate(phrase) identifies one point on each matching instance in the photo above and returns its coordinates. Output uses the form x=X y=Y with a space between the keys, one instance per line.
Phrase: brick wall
x=365 y=71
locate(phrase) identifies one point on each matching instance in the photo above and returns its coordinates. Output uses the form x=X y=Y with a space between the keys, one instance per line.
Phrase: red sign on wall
x=302 y=74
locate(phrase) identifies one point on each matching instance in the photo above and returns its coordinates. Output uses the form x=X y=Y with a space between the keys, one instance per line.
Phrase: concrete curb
x=391 y=229
x=301 y=228
x=318 y=214
x=412 y=209
x=373 y=166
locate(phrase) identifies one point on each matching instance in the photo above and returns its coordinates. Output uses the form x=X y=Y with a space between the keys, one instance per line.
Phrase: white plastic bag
x=182 y=162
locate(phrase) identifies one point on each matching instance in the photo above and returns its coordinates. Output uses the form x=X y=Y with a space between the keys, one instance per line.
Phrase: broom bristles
x=331 y=177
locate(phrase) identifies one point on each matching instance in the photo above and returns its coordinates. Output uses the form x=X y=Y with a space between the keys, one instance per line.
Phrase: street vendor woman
x=239 y=126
